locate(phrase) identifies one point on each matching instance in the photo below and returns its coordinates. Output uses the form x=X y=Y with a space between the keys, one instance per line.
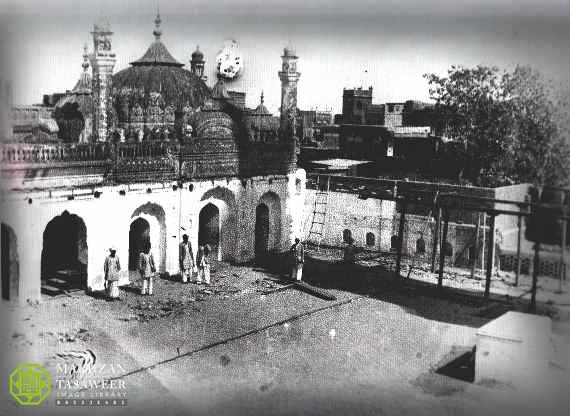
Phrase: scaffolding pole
x=400 y=238
x=519 y=236
x=435 y=238
x=535 y=270
x=476 y=246
x=442 y=249
x=562 y=256
x=490 y=256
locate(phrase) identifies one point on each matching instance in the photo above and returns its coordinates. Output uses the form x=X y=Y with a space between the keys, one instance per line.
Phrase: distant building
x=355 y=104
x=237 y=98
x=327 y=137
x=359 y=141
x=33 y=123
x=412 y=131
x=394 y=115
x=357 y=108
x=417 y=113
x=375 y=114
x=309 y=120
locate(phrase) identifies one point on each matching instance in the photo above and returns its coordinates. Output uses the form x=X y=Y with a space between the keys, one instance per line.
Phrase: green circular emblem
x=30 y=384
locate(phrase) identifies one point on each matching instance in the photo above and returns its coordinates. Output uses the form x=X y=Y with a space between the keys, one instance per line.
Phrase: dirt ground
x=241 y=347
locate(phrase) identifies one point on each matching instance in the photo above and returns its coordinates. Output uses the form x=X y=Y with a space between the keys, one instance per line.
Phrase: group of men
x=188 y=267
x=200 y=267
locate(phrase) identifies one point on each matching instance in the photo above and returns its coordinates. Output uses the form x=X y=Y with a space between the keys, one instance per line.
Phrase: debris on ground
x=147 y=309
x=81 y=334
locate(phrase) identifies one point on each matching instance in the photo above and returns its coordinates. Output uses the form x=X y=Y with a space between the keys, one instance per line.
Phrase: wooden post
x=535 y=271
x=435 y=237
x=476 y=246
x=484 y=238
x=519 y=225
x=490 y=256
x=400 y=237
x=563 y=256
x=442 y=249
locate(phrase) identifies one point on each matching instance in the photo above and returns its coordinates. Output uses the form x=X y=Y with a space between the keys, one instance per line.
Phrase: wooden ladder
x=319 y=212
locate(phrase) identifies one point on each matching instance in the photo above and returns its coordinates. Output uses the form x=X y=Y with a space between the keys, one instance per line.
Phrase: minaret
x=102 y=64
x=289 y=78
x=197 y=64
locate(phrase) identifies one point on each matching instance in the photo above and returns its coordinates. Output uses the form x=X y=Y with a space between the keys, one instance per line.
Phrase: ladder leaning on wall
x=319 y=212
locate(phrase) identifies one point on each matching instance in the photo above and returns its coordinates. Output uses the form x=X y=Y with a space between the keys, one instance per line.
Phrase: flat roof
x=340 y=163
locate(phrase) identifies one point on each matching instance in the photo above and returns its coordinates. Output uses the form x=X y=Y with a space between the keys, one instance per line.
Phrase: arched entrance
x=224 y=203
x=261 y=231
x=272 y=212
x=139 y=236
x=10 y=264
x=148 y=224
x=64 y=255
x=209 y=228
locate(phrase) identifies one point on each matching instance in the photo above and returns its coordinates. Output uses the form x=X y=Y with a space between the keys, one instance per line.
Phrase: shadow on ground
x=450 y=305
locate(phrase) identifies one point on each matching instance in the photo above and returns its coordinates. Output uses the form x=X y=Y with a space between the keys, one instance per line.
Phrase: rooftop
x=340 y=163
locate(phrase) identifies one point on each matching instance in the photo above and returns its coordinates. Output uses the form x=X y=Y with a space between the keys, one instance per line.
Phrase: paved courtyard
x=241 y=347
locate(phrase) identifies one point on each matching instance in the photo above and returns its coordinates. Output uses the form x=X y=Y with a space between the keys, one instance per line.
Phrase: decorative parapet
x=150 y=161
x=25 y=153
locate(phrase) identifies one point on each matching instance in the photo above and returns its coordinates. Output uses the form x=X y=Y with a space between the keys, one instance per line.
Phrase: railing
x=204 y=157
x=27 y=153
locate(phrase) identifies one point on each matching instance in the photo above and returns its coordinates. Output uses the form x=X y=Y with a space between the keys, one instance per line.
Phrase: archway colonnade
x=60 y=246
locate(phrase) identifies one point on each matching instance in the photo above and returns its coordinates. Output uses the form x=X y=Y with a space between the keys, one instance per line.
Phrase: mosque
x=150 y=152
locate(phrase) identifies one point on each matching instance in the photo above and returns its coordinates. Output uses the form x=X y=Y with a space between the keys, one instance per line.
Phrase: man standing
x=112 y=267
x=185 y=259
x=146 y=269
x=203 y=261
x=297 y=259
x=350 y=253
x=498 y=252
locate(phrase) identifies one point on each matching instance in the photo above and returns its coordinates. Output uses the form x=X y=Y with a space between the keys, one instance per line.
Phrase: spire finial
x=261 y=97
x=85 y=63
x=157 y=32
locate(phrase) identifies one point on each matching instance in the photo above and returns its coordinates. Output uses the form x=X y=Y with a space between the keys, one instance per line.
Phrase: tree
x=540 y=128
x=513 y=126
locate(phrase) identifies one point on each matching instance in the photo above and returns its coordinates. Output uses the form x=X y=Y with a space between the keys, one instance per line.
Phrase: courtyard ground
x=242 y=347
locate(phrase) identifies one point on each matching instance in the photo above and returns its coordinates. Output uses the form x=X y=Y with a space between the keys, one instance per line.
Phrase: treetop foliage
x=513 y=126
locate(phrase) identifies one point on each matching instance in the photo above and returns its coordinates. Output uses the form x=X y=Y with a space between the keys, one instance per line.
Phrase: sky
x=388 y=45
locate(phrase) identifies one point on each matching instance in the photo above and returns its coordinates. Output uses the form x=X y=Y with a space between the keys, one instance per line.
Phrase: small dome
x=197 y=55
x=289 y=50
x=261 y=109
x=213 y=122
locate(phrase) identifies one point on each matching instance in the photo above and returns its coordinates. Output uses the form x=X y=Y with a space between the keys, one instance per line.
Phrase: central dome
x=155 y=88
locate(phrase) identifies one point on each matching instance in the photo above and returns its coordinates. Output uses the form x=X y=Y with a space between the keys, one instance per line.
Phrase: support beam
x=435 y=237
x=562 y=256
x=476 y=246
x=484 y=239
x=400 y=237
x=442 y=249
x=519 y=236
x=490 y=259
x=535 y=271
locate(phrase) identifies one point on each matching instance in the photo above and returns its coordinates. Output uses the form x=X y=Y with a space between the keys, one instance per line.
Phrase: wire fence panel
x=474 y=242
